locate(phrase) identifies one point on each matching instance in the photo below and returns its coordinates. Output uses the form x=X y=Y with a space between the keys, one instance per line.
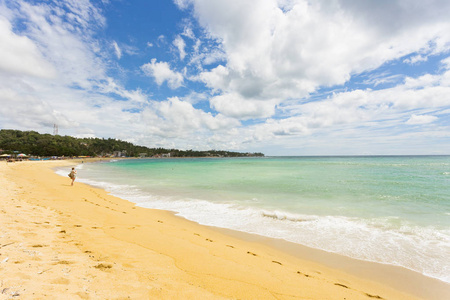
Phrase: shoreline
x=191 y=259
x=396 y=277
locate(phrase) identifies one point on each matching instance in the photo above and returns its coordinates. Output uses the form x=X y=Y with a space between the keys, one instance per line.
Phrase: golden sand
x=77 y=242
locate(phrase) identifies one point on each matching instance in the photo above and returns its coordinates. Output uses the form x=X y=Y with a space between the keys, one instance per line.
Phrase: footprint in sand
x=63 y=262
x=209 y=240
x=103 y=267
x=306 y=275
x=277 y=262
x=374 y=296
x=342 y=285
x=251 y=253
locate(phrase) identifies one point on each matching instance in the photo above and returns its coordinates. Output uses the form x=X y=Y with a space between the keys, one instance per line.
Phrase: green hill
x=36 y=144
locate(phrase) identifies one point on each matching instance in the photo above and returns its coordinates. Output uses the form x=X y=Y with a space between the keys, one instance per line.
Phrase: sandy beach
x=78 y=242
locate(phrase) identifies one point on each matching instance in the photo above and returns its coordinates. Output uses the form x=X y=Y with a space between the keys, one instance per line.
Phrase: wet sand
x=78 y=242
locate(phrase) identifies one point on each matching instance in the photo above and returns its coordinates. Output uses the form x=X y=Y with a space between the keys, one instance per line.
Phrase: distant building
x=122 y=153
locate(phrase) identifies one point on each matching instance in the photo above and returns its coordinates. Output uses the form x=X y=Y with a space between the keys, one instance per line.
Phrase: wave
x=282 y=216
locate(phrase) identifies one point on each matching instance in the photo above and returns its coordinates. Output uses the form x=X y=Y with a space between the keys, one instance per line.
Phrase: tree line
x=45 y=145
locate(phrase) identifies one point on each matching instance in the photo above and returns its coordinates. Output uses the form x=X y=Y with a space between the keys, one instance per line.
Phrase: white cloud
x=117 y=50
x=195 y=97
x=182 y=4
x=19 y=55
x=31 y=112
x=83 y=13
x=58 y=72
x=161 y=72
x=289 y=49
x=188 y=32
x=69 y=46
x=383 y=78
x=180 y=45
x=421 y=119
x=446 y=63
x=233 y=105
x=367 y=121
x=161 y=40
x=134 y=98
x=178 y=121
x=415 y=59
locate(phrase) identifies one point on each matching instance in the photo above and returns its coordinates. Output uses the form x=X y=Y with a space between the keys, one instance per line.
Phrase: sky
x=282 y=77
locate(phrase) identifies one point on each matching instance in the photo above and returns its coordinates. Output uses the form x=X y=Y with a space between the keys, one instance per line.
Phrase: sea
x=387 y=209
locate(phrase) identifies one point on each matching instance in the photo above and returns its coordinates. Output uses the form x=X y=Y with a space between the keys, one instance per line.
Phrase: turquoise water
x=393 y=210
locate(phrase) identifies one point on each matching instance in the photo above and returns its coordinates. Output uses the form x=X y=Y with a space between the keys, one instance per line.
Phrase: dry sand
x=77 y=242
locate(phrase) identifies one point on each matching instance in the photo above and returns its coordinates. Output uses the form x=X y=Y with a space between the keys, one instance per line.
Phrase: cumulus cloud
x=161 y=72
x=181 y=122
x=376 y=108
x=289 y=49
x=234 y=105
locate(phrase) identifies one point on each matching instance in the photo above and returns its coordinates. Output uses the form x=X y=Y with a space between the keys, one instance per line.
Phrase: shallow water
x=393 y=210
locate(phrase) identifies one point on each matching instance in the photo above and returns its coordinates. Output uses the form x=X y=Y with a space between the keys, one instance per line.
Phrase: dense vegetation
x=36 y=144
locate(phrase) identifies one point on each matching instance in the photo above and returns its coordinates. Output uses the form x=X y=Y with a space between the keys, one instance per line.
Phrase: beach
x=79 y=242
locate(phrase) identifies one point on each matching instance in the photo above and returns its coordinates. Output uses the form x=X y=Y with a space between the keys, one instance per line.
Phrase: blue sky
x=283 y=77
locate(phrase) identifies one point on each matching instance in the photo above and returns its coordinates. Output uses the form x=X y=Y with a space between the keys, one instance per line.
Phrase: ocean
x=392 y=210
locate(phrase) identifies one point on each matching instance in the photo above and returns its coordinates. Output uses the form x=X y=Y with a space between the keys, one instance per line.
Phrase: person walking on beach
x=73 y=175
